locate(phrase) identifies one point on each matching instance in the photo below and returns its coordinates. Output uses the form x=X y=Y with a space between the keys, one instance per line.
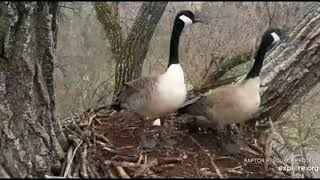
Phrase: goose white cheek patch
x=276 y=38
x=185 y=19
x=157 y=122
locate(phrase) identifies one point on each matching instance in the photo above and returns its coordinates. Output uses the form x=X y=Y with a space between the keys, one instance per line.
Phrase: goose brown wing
x=219 y=97
x=139 y=89
x=195 y=106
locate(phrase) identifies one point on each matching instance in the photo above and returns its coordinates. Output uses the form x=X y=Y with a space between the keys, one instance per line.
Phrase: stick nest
x=109 y=144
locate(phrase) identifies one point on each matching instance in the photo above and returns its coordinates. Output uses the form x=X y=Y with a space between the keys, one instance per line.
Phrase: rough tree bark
x=293 y=68
x=129 y=53
x=31 y=141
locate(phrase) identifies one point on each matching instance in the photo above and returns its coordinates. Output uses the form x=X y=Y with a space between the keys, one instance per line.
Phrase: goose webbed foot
x=147 y=141
x=228 y=143
x=155 y=136
x=231 y=145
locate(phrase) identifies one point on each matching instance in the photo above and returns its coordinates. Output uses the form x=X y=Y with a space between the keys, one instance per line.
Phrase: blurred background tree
x=130 y=51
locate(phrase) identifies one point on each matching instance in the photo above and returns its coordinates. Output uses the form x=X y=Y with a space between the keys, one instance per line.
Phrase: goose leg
x=229 y=144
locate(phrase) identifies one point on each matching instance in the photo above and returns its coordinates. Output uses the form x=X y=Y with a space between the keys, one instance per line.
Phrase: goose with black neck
x=233 y=103
x=156 y=96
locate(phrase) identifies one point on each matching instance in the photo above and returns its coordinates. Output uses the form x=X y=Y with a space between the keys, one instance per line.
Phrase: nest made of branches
x=110 y=144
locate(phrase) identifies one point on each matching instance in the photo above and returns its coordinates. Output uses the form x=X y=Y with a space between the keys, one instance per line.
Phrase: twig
x=125 y=158
x=84 y=171
x=256 y=147
x=167 y=165
x=145 y=159
x=69 y=164
x=215 y=167
x=73 y=133
x=69 y=155
x=210 y=158
x=117 y=152
x=222 y=157
x=249 y=150
x=169 y=160
x=90 y=119
x=105 y=139
x=122 y=173
x=53 y=177
x=125 y=147
x=99 y=122
x=111 y=174
x=238 y=167
x=122 y=164
x=111 y=150
x=196 y=142
x=140 y=159
x=146 y=168
x=93 y=169
x=76 y=171
x=196 y=171
x=105 y=147
x=63 y=167
x=209 y=173
x=234 y=171
x=162 y=168
x=91 y=172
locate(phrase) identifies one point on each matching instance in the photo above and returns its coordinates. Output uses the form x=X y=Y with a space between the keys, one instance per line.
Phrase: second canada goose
x=234 y=103
x=155 y=96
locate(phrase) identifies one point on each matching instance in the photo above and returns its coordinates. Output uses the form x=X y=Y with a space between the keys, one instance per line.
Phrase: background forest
x=85 y=70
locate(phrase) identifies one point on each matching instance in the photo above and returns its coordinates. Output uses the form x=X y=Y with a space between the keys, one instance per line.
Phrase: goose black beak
x=197 y=20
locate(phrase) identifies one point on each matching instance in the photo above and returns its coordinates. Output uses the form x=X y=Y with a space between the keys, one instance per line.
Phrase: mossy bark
x=31 y=140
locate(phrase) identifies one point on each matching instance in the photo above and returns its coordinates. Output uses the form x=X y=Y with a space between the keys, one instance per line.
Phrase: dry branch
x=67 y=172
x=84 y=162
x=122 y=164
x=145 y=168
x=169 y=160
x=130 y=52
x=122 y=173
x=214 y=166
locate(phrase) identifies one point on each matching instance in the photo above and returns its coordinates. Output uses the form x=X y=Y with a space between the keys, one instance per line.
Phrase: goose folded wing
x=222 y=97
x=143 y=85
x=195 y=106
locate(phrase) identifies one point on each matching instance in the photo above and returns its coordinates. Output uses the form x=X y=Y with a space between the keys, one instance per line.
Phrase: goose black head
x=271 y=37
x=187 y=17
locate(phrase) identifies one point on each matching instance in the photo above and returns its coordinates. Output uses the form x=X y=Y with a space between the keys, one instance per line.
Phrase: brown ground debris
x=114 y=144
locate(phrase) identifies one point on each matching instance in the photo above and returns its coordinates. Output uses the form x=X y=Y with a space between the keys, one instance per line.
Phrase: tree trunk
x=293 y=68
x=32 y=143
x=129 y=53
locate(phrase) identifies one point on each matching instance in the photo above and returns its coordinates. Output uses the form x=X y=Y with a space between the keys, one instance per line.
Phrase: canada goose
x=155 y=96
x=233 y=103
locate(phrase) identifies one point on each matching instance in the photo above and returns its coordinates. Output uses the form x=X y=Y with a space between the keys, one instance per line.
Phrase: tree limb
x=129 y=53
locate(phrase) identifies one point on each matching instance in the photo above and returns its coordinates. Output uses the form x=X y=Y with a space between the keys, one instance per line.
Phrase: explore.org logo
x=286 y=161
x=299 y=168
